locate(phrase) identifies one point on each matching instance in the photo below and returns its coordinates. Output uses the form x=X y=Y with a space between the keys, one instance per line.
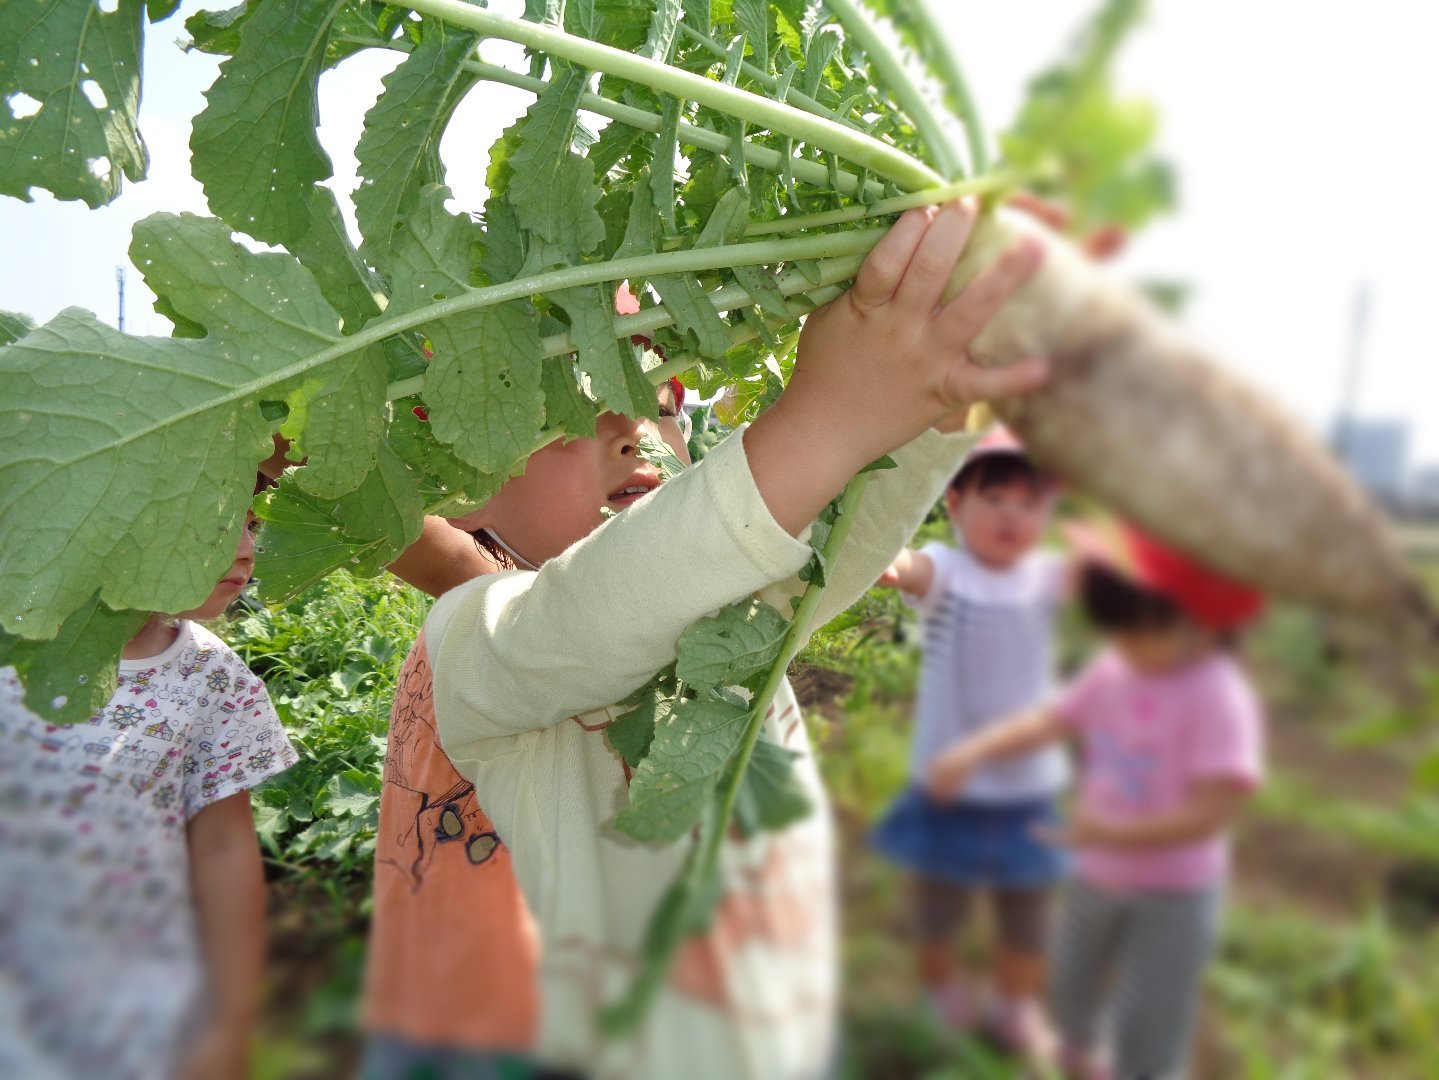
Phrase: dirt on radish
x=1170 y=438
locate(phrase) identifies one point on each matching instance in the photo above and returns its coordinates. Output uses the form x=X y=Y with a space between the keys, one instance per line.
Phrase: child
x=452 y=968
x=131 y=884
x=527 y=665
x=986 y=609
x=1172 y=746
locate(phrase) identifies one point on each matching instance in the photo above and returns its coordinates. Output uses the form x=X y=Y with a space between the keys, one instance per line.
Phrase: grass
x=1294 y=996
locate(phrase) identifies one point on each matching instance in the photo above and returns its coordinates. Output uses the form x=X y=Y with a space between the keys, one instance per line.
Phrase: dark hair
x=1114 y=604
x=491 y=547
x=999 y=470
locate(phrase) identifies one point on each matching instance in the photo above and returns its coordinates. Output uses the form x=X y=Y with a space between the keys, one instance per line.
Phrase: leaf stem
x=896 y=79
x=769 y=82
x=816 y=131
x=941 y=57
x=728 y=298
x=979 y=185
x=676 y=913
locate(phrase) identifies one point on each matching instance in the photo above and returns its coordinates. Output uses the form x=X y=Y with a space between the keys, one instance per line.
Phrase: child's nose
x=246 y=550
x=626 y=431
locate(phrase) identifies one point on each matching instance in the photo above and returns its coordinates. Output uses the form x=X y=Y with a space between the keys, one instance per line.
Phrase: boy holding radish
x=133 y=934
x=529 y=665
x=1172 y=741
x=987 y=610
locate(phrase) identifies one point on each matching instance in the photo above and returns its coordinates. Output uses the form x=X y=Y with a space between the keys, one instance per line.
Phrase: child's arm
x=228 y=885
x=877 y=368
x=912 y=573
x=1210 y=808
x=442 y=558
x=1021 y=734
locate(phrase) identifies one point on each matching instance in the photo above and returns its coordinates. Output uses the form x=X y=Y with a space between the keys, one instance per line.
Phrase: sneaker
x=1023 y=1030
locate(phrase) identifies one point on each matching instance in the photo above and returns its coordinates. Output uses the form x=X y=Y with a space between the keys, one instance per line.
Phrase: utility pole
x=120 y=290
x=1353 y=372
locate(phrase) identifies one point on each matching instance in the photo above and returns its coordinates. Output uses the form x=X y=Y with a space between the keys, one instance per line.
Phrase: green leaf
x=633 y=732
x=753 y=19
x=664 y=25
x=337 y=413
x=691 y=749
x=218 y=31
x=399 y=151
x=83 y=514
x=552 y=189
x=731 y=646
x=567 y=409
x=483 y=389
x=770 y=794
x=658 y=453
x=66 y=56
x=254 y=147
x=352 y=792
x=443 y=477
x=612 y=364
x=704 y=331
x=70 y=677
x=14 y=325
x=304 y=537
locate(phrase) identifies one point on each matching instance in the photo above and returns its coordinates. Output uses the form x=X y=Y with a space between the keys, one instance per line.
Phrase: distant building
x=1424 y=488
x=1377 y=452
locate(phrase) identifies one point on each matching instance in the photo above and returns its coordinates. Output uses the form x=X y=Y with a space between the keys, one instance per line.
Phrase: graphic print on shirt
x=439 y=807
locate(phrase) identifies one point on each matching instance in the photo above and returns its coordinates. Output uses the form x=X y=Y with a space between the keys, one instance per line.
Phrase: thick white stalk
x=816 y=131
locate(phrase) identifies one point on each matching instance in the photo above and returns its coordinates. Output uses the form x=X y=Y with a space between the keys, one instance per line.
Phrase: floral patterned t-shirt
x=100 y=969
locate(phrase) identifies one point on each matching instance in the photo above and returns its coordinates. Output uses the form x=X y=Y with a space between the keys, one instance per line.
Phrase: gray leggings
x=1143 y=955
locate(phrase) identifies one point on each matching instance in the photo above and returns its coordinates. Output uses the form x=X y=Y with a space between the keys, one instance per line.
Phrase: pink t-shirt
x=1145 y=739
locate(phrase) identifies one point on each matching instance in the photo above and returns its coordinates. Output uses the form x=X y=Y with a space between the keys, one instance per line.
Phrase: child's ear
x=474 y=520
x=951 y=500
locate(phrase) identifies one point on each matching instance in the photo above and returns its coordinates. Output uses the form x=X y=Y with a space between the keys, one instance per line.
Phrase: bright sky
x=1298 y=128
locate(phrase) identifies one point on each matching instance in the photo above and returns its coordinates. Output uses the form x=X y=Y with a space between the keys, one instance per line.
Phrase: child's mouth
x=627 y=495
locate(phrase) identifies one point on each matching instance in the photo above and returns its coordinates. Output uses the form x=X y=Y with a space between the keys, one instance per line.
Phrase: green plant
x=418 y=371
x=329 y=659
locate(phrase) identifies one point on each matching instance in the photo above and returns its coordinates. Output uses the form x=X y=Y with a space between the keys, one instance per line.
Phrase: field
x=1330 y=961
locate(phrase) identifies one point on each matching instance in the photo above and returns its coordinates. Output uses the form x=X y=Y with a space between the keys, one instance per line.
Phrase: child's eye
x=665 y=410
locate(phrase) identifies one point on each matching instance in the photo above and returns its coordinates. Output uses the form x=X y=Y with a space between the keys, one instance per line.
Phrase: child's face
x=1155 y=652
x=234 y=580
x=557 y=500
x=1002 y=523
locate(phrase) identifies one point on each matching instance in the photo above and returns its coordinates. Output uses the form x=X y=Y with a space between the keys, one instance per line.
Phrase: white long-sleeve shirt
x=527 y=666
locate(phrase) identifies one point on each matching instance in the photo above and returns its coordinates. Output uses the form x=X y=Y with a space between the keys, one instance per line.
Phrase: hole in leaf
x=23 y=105
x=108 y=6
x=91 y=89
x=100 y=167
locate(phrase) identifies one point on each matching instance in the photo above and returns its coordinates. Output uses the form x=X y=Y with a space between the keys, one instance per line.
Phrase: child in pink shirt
x=1172 y=745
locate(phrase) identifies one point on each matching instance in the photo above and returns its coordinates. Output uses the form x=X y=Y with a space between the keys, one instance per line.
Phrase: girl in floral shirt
x=131 y=886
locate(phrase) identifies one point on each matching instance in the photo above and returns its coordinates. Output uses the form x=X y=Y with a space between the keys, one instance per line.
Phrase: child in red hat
x=1172 y=746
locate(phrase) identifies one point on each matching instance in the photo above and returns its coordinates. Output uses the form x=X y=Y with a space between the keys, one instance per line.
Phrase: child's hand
x=1085 y=828
x=890 y=578
x=948 y=773
x=888 y=359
